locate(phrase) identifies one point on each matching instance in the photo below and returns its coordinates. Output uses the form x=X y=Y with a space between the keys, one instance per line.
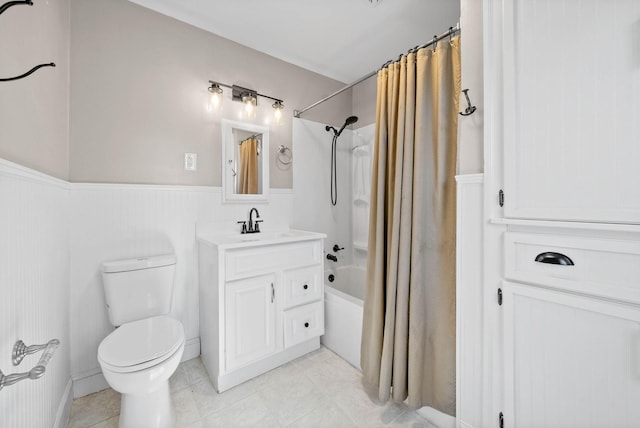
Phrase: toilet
x=140 y=355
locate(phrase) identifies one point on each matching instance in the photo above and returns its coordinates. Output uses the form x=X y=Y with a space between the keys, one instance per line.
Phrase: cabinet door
x=571 y=93
x=250 y=320
x=570 y=361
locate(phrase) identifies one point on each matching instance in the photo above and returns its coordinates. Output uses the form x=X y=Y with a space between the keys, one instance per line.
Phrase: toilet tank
x=138 y=288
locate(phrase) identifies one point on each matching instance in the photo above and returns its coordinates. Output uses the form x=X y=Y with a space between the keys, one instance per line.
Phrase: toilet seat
x=141 y=344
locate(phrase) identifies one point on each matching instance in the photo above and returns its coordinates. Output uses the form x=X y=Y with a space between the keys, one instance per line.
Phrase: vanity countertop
x=228 y=240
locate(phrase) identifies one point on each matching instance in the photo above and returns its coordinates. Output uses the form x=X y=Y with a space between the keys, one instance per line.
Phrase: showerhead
x=350 y=121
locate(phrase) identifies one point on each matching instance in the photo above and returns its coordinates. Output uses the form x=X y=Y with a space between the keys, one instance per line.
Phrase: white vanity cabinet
x=261 y=302
x=250 y=320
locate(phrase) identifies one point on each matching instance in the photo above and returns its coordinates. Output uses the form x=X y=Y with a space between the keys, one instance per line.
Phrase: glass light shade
x=277 y=113
x=249 y=105
x=215 y=97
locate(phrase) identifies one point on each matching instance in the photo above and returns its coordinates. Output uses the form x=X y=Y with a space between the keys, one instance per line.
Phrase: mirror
x=245 y=162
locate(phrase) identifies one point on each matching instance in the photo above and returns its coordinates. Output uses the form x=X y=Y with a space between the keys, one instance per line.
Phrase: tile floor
x=319 y=389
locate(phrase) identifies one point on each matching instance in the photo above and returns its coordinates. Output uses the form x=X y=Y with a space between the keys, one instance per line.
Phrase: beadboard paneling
x=469 y=298
x=34 y=307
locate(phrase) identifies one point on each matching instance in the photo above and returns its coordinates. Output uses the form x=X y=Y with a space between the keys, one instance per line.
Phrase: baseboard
x=224 y=382
x=191 y=349
x=89 y=382
x=436 y=417
x=64 y=408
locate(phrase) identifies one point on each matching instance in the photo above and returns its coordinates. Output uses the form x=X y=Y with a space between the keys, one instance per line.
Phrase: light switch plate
x=190 y=161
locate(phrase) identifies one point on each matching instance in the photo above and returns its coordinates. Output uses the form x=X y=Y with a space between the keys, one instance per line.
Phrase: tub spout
x=332 y=257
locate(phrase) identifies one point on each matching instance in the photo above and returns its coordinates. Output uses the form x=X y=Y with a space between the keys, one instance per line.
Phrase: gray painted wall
x=139 y=88
x=34 y=112
x=471 y=128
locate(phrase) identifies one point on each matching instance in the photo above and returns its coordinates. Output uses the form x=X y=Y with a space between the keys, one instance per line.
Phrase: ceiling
x=341 y=39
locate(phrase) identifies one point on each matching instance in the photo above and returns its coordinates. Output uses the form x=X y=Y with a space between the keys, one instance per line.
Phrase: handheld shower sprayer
x=350 y=121
x=334 y=177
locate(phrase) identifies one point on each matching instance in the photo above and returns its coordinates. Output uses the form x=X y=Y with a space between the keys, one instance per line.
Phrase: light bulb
x=277 y=114
x=215 y=97
x=249 y=105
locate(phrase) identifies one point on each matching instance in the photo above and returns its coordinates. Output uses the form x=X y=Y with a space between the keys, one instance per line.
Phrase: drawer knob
x=554 y=259
x=305 y=286
x=306 y=325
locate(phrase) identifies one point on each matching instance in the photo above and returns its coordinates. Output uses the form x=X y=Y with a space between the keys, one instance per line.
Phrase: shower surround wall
x=312 y=186
x=345 y=224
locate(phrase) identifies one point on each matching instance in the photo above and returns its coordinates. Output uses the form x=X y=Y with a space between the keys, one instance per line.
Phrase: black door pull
x=554 y=259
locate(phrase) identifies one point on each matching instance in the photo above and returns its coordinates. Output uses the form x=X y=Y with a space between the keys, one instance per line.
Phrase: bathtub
x=343 y=300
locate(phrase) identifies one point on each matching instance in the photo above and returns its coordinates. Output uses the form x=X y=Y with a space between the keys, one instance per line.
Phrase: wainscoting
x=54 y=237
x=34 y=299
x=469 y=300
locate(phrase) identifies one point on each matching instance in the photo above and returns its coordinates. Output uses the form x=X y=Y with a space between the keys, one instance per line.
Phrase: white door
x=571 y=91
x=570 y=361
x=250 y=320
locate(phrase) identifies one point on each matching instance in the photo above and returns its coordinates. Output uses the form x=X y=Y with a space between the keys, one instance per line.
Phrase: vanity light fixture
x=245 y=95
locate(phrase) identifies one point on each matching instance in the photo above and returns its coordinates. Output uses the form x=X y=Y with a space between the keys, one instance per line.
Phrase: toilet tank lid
x=138 y=263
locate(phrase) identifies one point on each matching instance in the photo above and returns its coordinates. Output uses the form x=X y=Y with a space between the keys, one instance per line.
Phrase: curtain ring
x=450 y=35
x=435 y=43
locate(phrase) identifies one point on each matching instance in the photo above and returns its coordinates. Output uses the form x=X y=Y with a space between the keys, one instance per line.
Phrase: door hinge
x=501 y=197
x=500 y=296
x=501 y=420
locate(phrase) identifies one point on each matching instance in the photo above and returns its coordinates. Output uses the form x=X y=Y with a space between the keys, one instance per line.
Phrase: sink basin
x=261 y=236
x=237 y=240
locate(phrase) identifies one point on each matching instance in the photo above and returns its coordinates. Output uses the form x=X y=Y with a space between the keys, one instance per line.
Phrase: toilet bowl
x=137 y=360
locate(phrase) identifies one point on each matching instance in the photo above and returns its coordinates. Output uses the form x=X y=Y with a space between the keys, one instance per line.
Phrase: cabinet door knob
x=554 y=259
x=306 y=325
x=305 y=286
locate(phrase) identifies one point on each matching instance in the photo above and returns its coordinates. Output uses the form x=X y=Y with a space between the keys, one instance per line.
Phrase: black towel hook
x=22 y=76
x=4 y=7
x=470 y=109
x=8 y=4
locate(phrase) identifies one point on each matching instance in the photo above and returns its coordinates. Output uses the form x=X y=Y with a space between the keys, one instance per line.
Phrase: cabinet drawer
x=303 y=323
x=302 y=285
x=602 y=267
x=246 y=262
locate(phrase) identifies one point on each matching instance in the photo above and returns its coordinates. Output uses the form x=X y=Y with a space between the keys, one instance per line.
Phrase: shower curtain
x=248 y=182
x=408 y=338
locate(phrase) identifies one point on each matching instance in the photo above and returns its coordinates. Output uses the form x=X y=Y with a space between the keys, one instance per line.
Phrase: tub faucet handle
x=337 y=248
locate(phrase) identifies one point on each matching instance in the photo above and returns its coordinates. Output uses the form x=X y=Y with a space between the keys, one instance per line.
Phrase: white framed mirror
x=245 y=162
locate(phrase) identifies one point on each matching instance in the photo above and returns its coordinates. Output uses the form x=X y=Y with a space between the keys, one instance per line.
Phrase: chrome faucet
x=254 y=226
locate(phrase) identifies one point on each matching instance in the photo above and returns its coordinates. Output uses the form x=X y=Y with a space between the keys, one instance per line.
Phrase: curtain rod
x=451 y=31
